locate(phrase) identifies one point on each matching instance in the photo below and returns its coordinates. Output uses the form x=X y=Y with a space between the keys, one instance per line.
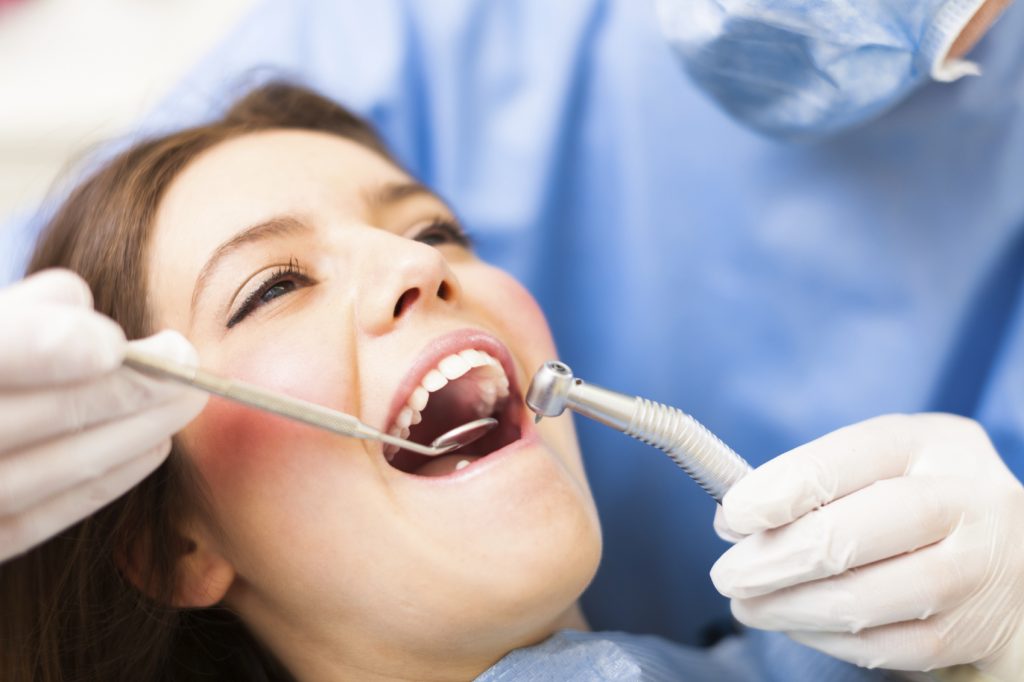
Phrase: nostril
x=444 y=292
x=405 y=300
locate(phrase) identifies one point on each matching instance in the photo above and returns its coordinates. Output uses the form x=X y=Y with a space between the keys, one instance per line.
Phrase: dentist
x=894 y=542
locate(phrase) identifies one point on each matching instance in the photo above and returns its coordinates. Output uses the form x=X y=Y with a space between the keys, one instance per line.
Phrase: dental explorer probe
x=697 y=451
x=298 y=409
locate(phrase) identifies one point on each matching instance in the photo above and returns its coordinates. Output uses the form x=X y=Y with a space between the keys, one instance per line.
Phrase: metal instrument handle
x=271 y=401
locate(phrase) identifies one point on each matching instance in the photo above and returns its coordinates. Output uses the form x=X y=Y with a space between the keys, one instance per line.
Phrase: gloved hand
x=896 y=543
x=76 y=429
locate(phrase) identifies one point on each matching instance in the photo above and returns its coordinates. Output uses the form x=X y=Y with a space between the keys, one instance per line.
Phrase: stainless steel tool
x=697 y=451
x=300 y=410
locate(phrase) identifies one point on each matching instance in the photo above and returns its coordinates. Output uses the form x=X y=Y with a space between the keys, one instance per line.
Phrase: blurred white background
x=76 y=72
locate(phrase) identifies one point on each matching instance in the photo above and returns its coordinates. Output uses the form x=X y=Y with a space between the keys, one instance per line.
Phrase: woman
x=293 y=252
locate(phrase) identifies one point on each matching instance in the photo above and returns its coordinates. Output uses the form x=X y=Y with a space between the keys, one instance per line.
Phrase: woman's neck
x=314 y=657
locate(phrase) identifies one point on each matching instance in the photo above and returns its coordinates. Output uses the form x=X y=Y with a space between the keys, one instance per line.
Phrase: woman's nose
x=398 y=277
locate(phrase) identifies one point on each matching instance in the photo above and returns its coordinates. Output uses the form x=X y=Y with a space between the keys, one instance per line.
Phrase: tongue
x=445 y=464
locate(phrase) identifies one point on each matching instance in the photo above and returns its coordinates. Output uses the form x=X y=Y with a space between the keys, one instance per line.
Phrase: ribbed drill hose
x=697 y=451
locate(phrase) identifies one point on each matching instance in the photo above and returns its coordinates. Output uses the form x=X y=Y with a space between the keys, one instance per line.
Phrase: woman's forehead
x=274 y=170
x=256 y=177
x=250 y=178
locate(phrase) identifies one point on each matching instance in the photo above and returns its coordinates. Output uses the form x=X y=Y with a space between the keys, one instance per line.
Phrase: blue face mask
x=793 y=68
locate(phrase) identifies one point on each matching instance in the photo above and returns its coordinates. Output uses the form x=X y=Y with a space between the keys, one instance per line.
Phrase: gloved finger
x=56 y=285
x=722 y=528
x=887 y=518
x=910 y=645
x=21 y=532
x=33 y=416
x=39 y=472
x=43 y=344
x=913 y=586
x=168 y=344
x=818 y=472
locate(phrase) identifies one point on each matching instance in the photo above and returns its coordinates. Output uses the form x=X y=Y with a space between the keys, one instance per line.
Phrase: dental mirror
x=461 y=436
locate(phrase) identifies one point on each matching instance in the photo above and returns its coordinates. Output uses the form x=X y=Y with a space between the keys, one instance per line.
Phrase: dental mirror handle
x=280 y=404
x=697 y=451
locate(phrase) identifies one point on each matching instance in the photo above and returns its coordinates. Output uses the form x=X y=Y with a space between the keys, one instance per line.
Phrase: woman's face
x=306 y=263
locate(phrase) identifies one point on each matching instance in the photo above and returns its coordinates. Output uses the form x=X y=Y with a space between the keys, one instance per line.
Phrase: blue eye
x=443 y=231
x=279 y=289
x=281 y=282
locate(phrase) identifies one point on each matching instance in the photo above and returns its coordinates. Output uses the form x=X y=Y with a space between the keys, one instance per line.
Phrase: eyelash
x=448 y=230
x=293 y=272
x=443 y=229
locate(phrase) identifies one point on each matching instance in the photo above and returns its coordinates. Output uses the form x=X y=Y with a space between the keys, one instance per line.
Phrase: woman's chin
x=520 y=537
x=520 y=492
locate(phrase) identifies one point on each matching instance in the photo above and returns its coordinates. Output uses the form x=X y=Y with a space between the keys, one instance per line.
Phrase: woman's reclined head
x=295 y=253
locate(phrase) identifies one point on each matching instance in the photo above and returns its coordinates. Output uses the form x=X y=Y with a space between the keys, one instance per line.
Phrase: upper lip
x=443 y=346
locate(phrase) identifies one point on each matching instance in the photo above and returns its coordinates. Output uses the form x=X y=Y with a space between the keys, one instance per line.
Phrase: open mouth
x=461 y=387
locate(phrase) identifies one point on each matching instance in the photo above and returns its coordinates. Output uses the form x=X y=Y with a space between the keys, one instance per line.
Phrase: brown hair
x=66 y=610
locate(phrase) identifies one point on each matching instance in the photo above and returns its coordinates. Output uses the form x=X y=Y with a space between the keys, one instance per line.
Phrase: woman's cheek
x=231 y=443
x=228 y=441
x=516 y=314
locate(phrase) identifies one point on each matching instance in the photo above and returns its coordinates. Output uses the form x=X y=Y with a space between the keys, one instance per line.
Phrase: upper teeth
x=491 y=383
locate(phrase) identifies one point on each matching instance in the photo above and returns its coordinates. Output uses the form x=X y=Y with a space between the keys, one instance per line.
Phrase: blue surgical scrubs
x=776 y=291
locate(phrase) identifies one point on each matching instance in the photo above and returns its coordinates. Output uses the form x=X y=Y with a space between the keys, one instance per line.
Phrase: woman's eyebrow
x=392 y=193
x=381 y=196
x=277 y=226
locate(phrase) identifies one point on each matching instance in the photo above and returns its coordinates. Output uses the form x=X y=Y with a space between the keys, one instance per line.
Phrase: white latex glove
x=915 y=561
x=76 y=429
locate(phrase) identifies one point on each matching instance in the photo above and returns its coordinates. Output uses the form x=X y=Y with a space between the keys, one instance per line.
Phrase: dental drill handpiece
x=697 y=451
